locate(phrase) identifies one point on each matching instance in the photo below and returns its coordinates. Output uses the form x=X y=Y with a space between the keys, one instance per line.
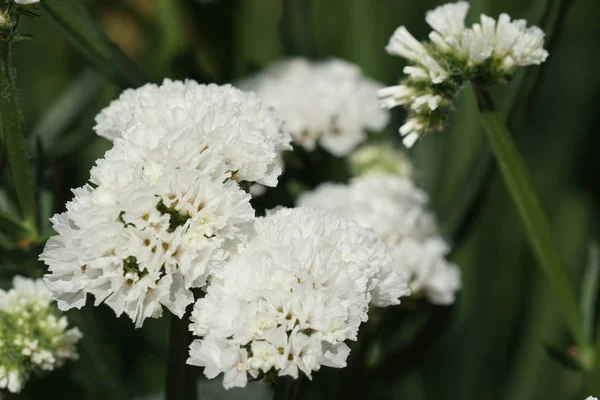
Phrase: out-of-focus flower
x=26 y=2
x=329 y=102
x=34 y=337
x=487 y=53
x=381 y=158
x=396 y=210
x=287 y=304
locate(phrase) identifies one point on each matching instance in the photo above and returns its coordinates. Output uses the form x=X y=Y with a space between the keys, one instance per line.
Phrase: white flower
x=514 y=44
x=412 y=130
x=143 y=247
x=403 y=44
x=380 y=158
x=450 y=35
x=489 y=52
x=33 y=337
x=25 y=2
x=328 y=102
x=196 y=125
x=396 y=210
x=292 y=297
x=591 y=398
x=449 y=20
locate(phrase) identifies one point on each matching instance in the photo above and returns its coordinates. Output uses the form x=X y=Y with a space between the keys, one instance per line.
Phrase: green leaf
x=594 y=377
x=173 y=42
x=537 y=227
x=79 y=27
x=566 y=360
x=14 y=139
x=11 y=226
x=589 y=292
x=296 y=28
x=67 y=108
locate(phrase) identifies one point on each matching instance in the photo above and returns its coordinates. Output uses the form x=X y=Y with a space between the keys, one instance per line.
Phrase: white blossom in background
x=25 y=2
x=396 y=210
x=287 y=303
x=380 y=158
x=489 y=51
x=591 y=398
x=215 y=128
x=163 y=210
x=330 y=103
x=34 y=337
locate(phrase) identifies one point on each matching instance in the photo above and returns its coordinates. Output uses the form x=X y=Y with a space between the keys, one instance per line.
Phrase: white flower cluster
x=380 y=158
x=591 y=398
x=26 y=2
x=164 y=209
x=489 y=52
x=34 y=337
x=288 y=302
x=328 y=102
x=395 y=209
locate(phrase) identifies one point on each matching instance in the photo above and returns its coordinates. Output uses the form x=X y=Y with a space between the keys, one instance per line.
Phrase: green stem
x=73 y=19
x=594 y=378
x=537 y=227
x=181 y=378
x=16 y=150
x=288 y=388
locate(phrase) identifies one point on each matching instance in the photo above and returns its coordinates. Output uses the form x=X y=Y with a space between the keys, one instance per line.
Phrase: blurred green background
x=492 y=343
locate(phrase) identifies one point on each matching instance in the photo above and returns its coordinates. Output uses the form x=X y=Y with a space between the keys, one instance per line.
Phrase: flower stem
x=288 y=388
x=14 y=138
x=594 y=376
x=181 y=378
x=537 y=227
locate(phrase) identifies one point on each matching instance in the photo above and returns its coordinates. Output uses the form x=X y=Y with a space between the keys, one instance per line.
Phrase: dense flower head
x=486 y=53
x=380 y=158
x=395 y=209
x=329 y=102
x=34 y=337
x=203 y=126
x=288 y=302
x=145 y=246
x=164 y=208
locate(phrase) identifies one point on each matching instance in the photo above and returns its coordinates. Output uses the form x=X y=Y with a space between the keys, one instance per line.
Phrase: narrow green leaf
x=537 y=228
x=297 y=29
x=589 y=292
x=172 y=40
x=14 y=140
x=11 y=226
x=563 y=358
x=79 y=27
x=67 y=108
x=594 y=378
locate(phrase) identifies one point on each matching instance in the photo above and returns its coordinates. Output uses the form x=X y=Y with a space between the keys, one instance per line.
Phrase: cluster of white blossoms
x=288 y=302
x=164 y=208
x=380 y=158
x=34 y=337
x=395 y=209
x=487 y=53
x=329 y=102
